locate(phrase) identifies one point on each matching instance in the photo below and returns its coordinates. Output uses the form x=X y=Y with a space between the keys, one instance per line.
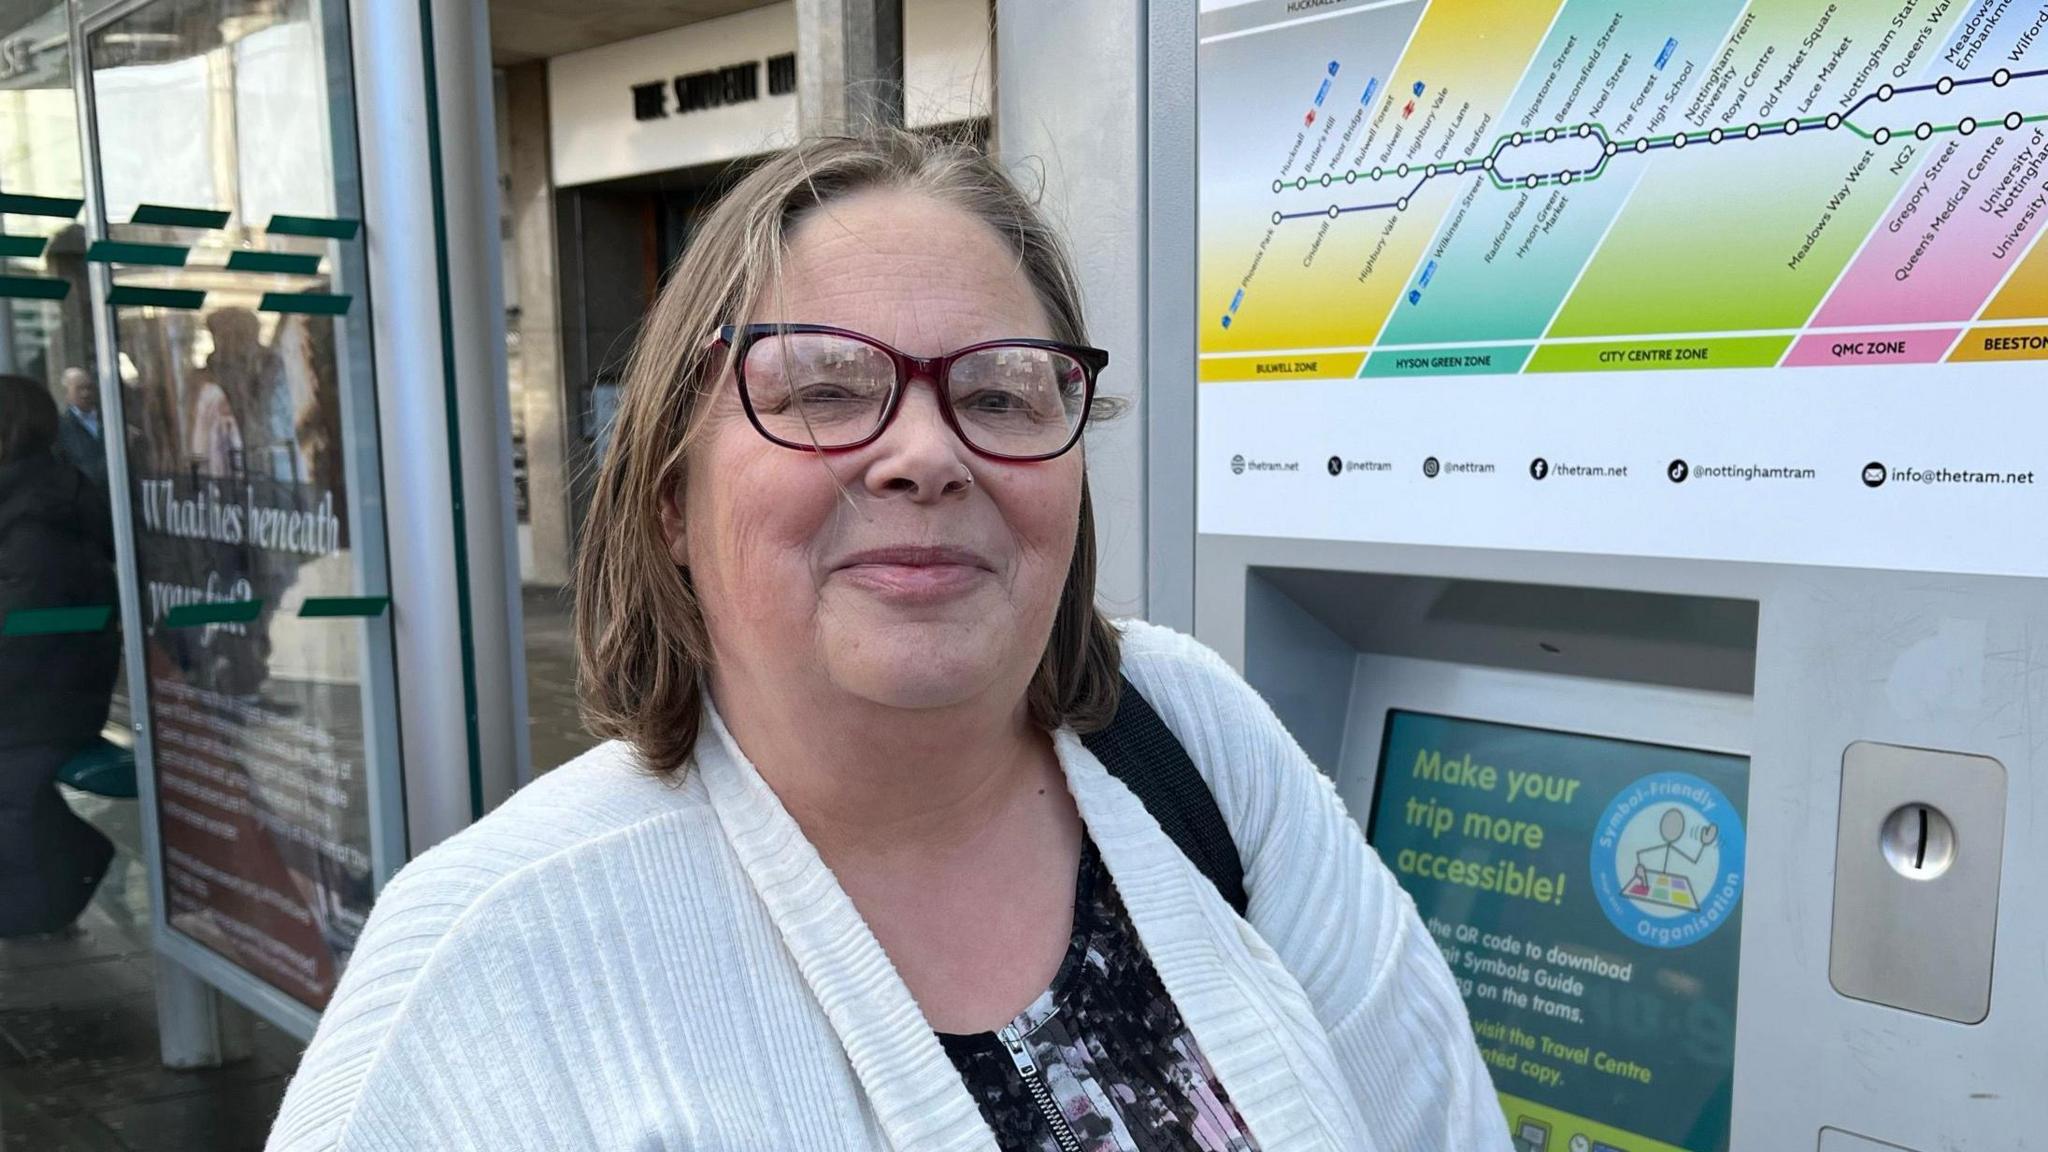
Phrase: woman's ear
x=672 y=524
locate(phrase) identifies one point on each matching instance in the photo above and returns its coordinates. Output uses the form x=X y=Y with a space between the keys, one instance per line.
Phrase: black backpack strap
x=1139 y=749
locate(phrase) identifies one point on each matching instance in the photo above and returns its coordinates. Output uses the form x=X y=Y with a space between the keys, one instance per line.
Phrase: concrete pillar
x=1170 y=274
x=849 y=64
x=1070 y=113
x=530 y=196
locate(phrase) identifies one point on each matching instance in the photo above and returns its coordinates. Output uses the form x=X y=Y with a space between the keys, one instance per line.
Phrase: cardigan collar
x=1205 y=956
x=915 y=1092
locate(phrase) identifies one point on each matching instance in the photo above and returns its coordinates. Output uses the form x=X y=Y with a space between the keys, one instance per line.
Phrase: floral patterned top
x=1101 y=1062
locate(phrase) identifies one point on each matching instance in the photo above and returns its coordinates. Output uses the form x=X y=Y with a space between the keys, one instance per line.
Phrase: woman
x=56 y=551
x=847 y=878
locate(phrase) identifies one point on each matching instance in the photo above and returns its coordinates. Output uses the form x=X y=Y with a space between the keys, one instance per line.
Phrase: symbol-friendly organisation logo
x=1667 y=860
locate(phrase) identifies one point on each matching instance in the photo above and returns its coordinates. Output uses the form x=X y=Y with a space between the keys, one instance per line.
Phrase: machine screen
x=1588 y=894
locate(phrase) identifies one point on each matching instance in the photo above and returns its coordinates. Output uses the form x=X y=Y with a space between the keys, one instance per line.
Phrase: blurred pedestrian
x=56 y=551
x=79 y=433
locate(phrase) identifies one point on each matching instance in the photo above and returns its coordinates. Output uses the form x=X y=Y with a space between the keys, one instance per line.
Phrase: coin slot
x=1918 y=841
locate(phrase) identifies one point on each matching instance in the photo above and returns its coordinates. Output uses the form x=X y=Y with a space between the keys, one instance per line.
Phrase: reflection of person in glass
x=305 y=354
x=56 y=551
x=249 y=374
x=79 y=436
x=215 y=443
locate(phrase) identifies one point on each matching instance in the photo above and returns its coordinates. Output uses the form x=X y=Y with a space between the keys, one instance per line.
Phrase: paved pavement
x=78 y=1046
x=555 y=730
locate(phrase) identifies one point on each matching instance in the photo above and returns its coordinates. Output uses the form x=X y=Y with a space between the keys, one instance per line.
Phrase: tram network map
x=1770 y=272
x=1444 y=186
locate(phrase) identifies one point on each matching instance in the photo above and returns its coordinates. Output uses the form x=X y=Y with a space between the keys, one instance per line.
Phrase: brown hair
x=641 y=644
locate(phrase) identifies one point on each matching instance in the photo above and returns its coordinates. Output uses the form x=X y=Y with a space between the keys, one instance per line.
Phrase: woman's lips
x=915 y=574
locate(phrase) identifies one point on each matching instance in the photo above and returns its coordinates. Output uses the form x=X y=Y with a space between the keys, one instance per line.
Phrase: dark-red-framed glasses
x=816 y=388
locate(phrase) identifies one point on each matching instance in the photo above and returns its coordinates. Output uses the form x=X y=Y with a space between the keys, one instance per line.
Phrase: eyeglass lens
x=831 y=391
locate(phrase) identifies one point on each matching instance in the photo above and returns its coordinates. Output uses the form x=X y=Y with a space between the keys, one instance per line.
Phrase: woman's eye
x=825 y=393
x=829 y=402
x=1031 y=403
x=993 y=400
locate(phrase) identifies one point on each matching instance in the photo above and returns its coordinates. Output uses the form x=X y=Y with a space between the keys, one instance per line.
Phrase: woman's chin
x=919 y=666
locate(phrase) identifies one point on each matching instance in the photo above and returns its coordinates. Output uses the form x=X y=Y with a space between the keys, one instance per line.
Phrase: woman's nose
x=919 y=455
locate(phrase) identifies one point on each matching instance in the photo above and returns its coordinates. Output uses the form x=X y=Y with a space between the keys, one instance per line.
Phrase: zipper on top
x=1041 y=1093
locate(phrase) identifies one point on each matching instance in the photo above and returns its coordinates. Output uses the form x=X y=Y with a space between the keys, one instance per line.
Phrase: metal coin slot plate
x=1917 y=864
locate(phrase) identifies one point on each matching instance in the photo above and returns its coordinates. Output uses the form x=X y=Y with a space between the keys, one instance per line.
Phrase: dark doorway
x=619 y=242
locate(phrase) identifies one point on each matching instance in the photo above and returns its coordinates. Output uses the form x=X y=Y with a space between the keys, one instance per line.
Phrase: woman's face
x=910 y=573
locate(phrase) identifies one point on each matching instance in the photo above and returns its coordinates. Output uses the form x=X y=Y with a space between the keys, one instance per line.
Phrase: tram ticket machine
x=1622 y=461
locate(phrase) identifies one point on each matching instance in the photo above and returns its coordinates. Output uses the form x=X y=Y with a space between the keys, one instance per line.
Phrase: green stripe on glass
x=310 y=303
x=64 y=208
x=318 y=607
x=57 y=621
x=322 y=226
x=26 y=247
x=289 y=263
x=128 y=252
x=217 y=612
x=33 y=288
x=164 y=214
x=134 y=296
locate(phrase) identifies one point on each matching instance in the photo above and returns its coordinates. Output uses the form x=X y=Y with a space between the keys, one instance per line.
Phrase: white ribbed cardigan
x=613 y=961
